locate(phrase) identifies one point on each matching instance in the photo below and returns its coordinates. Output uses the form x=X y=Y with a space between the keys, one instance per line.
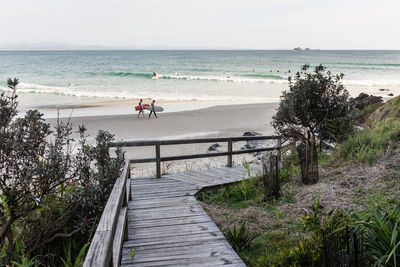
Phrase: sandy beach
x=218 y=121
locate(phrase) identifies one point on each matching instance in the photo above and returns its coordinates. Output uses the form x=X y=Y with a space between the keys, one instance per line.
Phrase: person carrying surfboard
x=141 y=110
x=152 y=109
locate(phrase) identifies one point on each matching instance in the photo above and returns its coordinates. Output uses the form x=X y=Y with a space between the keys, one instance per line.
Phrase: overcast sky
x=254 y=24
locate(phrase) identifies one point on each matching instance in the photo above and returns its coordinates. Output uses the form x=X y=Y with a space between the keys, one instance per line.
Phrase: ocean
x=55 y=79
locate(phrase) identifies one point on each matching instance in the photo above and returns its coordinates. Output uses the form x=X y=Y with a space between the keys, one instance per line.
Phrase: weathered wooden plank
x=193 y=261
x=100 y=250
x=114 y=203
x=171 y=229
x=173 y=247
x=160 y=215
x=99 y=253
x=119 y=236
x=209 y=253
x=175 y=221
x=149 y=203
x=128 y=190
x=165 y=195
x=157 y=189
x=198 y=238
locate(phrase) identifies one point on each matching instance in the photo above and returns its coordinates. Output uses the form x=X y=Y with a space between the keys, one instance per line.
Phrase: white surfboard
x=156 y=108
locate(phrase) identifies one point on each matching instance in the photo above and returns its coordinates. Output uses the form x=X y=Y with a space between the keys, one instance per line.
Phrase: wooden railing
x=106 y=246
x=230 y=152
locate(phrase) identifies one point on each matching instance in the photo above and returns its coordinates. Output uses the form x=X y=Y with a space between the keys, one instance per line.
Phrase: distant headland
x=305 y=49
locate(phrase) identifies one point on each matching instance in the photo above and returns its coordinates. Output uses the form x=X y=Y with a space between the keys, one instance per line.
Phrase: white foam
x=30 y=88
x=226 y=78
x=386 y=83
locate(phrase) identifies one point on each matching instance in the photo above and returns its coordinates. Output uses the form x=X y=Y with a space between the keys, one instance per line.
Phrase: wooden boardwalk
x=168 y=227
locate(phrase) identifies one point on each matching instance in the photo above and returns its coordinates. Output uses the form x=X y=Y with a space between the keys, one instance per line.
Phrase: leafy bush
x=382 y=233
x=316 y=107
x=240 y=239
x=48 y=193
x=309 y=250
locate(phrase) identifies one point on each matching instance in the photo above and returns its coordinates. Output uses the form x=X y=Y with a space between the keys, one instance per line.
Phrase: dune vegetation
x=358 y=194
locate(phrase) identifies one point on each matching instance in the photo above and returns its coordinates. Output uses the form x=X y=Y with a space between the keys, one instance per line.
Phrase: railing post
x=229 y=153
x=279 y=150
x=158 y=162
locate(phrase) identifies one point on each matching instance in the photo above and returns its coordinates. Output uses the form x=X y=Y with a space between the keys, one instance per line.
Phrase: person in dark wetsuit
x=152 y=109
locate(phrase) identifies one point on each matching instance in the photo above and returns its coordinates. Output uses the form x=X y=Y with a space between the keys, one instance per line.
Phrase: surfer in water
x=152 y=109
x=141 y=108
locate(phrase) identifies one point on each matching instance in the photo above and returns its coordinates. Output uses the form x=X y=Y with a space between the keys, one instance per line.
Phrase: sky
x=232 y=24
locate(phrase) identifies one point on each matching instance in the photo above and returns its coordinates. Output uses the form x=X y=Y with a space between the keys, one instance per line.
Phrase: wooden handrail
x=158 y=143
x=106 y=246
x=205 y=155
x=130 y=143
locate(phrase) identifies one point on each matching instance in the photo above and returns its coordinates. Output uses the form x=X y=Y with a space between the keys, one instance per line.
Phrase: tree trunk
x=270 y=178
x=6 y=225
x=308 y=159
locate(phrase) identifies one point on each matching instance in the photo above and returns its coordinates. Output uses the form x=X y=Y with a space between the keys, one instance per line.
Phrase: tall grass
x=368 y=145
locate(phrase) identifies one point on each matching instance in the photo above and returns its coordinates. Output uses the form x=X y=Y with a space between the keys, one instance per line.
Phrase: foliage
x=26 y=262
x=239 y=194
x=240 y=239
x=370 y=144
x=246 y=165
x=249 y=191
x=49 y=193
x=132 y=254
x=309 y=250
x=382 y=233
x=317 y=107
x=69 y=250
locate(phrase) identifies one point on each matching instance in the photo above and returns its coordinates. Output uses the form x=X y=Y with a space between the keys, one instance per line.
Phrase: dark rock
x=251 y=133
x=362 y=96
x=364 y=100
x=390 y=94
x=383 y=89
x=214 y=147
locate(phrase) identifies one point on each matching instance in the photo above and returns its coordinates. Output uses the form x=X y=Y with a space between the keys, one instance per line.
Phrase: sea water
x=52 y=79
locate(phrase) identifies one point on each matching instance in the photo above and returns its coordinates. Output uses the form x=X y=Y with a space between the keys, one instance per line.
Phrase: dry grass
x=340 y=188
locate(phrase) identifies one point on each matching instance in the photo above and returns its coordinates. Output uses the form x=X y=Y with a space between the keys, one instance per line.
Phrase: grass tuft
x=367 y=146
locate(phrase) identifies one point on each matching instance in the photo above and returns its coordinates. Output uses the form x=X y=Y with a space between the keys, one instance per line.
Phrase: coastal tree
x=317 y=107
x=52 y=187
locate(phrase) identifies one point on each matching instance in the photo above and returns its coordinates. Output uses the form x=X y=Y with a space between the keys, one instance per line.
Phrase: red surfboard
x=139 y=108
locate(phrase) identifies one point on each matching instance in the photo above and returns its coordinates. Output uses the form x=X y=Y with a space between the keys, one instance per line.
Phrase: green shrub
x=240 y=239
x=382 y=233
x=308 y=251
x=49 y=194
